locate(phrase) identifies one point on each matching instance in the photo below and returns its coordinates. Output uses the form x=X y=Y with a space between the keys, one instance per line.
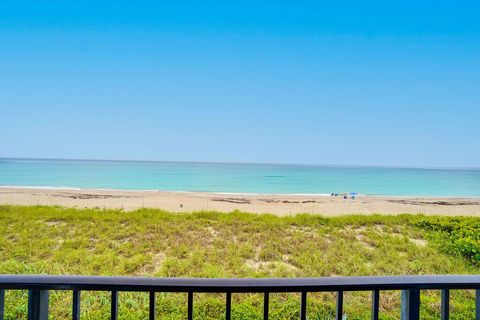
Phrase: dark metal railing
x=39 y=286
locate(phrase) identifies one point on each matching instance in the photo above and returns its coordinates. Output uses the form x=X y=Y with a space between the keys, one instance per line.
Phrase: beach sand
x=274 y=204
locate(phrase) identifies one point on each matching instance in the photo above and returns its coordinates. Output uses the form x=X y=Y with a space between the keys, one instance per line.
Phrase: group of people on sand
x=344 y=195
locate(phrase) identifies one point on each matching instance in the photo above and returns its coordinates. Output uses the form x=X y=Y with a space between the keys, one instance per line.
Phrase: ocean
x=239 y=178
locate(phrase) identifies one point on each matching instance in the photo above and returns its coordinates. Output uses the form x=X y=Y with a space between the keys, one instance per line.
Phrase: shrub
x=458 y=236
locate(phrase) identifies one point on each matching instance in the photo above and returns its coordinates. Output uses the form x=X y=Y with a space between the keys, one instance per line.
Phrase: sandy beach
x=275 y=204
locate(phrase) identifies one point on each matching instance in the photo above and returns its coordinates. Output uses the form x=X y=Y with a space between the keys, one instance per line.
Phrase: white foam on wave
x=80 y=189
x=40 y=187
x=271 y=194
x=172 y=191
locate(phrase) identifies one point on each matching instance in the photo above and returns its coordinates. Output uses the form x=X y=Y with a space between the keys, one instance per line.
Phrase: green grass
x=53 y=240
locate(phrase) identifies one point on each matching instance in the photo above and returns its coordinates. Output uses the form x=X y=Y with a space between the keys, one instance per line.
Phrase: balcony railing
x=39 y=286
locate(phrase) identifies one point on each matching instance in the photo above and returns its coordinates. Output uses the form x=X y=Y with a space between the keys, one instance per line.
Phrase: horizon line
x=249 y=163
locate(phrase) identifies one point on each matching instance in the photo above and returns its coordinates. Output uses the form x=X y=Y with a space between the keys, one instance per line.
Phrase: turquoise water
x=238 y=178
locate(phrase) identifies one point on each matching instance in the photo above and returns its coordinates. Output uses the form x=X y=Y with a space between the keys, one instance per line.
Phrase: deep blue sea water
x=239 y=178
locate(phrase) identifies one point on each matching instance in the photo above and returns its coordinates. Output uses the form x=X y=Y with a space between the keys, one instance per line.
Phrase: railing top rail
x=239 y=284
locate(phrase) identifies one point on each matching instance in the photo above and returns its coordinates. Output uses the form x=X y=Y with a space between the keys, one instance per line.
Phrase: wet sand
x=275 y=204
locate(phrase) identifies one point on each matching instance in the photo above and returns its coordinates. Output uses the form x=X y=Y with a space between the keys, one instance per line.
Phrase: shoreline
x=328 y=195
x=278 y=204
x=170 y=191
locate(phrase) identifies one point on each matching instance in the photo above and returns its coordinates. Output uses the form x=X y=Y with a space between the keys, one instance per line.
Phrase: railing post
x=303 y=306
x=445 y=304
x=228 y=306
x=339 y=312
x=266 y=298
x=375 y=304
x=477 y=304
x=37 y=304
x=114 y=305
x=190 y=306
x=2 y=304
x=76 y=305
x=151 y=309
x=410 y=304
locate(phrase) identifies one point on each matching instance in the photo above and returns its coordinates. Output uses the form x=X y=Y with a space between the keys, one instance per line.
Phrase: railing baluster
x=190 y=306
x=339 y=313
x=2 y=304
x=151 y=310
x=228 y=306
x=37 y=304
x=477 y=304
x=410 y=304
x=375 y=304
x=266 y=298
x=303 y=306
x=76 y=305
x=445 y=304
x=114 y=305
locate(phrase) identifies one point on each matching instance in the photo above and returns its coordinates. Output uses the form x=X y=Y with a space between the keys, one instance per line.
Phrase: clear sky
x=393 y=83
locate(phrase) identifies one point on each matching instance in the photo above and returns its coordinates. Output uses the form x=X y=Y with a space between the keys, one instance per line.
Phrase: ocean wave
x=158 y=190
x=41 y=187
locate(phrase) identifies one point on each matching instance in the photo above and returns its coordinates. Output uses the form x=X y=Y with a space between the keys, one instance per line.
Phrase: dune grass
x=147 y=242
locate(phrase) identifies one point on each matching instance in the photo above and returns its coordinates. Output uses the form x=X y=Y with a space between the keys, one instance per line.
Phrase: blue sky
x=393 y=83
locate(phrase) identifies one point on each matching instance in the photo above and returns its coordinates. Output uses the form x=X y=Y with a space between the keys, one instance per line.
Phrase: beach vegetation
x=155 y=243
